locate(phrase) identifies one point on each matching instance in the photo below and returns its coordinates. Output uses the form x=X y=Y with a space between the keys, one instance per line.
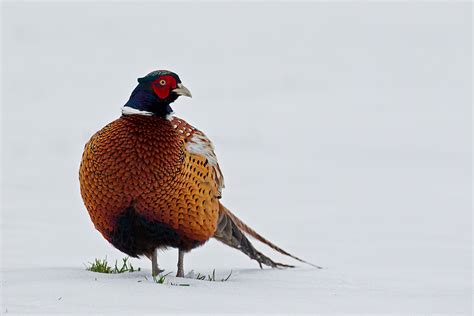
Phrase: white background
x=343 y=130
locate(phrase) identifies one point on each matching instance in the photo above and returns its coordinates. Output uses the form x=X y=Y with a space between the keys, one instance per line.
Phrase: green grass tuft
x=212 y=277
x=161 y=278
x=102 y=266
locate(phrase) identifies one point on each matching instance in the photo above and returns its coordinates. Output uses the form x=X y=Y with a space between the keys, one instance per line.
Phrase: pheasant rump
x=150 y=180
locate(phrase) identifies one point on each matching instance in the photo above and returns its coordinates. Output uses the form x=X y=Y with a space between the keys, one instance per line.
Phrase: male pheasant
x=150 y=180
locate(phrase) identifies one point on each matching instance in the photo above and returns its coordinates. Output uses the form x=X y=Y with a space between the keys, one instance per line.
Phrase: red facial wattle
x=163 y=85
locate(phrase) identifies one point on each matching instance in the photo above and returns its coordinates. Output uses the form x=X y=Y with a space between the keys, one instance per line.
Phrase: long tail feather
x=230 y=234
x=245 y=228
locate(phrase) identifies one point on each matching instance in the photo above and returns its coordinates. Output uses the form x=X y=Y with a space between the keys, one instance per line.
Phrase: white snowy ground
x=343 y=130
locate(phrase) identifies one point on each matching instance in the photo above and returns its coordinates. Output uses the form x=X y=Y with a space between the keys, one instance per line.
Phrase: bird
x=151 y=181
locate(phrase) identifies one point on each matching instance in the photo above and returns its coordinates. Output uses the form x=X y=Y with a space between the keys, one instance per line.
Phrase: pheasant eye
x=162 y=82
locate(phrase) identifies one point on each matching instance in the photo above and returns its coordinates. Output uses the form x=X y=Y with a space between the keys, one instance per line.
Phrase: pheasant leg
x=154 y=263
x=180 y=273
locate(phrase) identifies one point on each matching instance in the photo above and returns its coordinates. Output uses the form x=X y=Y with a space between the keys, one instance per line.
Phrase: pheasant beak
x=182 y=90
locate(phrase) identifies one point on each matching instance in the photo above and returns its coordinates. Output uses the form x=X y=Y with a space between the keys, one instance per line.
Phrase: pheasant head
x=154 y=94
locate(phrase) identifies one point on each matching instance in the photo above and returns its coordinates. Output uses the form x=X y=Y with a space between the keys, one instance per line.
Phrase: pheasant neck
x=145 y=102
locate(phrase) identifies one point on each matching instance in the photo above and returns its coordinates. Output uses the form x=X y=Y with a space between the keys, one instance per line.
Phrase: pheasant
x=150 y=180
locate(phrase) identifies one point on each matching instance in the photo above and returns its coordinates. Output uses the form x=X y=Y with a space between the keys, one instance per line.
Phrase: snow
x=343 y=130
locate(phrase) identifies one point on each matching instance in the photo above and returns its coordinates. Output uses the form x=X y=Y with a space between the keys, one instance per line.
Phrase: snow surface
x=343 y=131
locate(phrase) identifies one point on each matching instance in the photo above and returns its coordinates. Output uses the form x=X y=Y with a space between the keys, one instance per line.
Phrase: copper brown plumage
x=141 y=161
x=149 y=180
